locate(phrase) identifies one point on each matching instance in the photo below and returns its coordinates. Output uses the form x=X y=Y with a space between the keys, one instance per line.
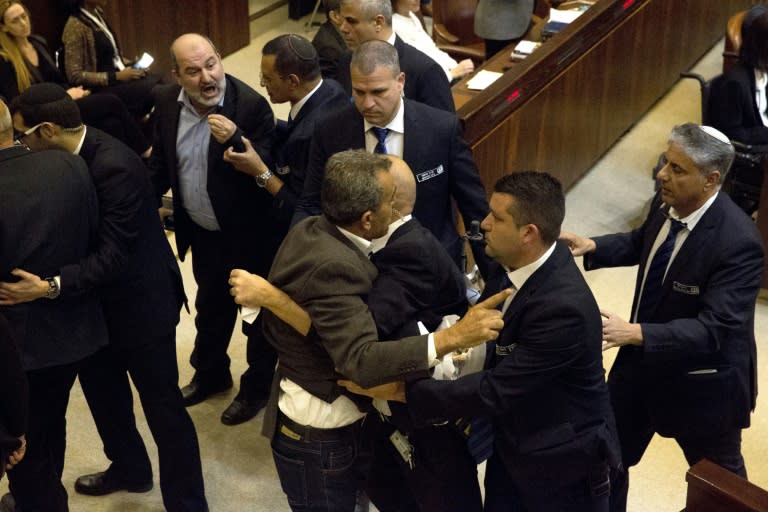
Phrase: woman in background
x=738 y=99
x=92 y=58
x=25 y=60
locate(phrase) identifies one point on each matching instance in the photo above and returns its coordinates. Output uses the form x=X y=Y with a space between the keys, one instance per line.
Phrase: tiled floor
x=239 y=471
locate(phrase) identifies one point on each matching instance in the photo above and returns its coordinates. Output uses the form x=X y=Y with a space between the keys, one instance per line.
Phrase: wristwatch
x=261 y=179
x=53 y=288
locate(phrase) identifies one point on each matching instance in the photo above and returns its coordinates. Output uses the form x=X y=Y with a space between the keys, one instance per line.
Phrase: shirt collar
x=183 y=99
x=760 y=79
x=296 y=107
x=391 y=38
x=519 y=276
x=361 y=243
x=692 y=219
x=82 y=139
x=397 y=124
x=378 y=244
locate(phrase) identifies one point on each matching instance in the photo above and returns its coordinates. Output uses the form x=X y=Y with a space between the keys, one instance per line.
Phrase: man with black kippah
x=139 y=283
x=48 y=219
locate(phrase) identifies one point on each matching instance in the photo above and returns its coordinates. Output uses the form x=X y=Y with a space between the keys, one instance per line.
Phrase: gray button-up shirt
x=192 y=141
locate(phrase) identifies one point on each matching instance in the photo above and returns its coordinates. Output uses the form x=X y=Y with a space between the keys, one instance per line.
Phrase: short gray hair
x=707 y=152
x=369 y=9
x=372 y=54
x=350 y=187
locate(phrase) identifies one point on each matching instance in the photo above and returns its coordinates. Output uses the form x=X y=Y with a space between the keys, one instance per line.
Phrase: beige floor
x=239 y=472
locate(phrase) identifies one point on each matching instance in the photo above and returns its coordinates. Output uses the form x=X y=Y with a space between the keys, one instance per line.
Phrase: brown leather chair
x=453 y=27
x=732 y=40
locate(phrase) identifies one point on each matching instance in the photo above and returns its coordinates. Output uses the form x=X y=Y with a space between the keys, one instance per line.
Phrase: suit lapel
x=534 y=282
x=216 y=150
x=695 y=241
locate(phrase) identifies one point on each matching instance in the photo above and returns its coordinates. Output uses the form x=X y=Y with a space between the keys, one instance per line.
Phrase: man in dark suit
x=138 y=280
x=330 y=283
x=544 y=387
x=328 y=41
x=429 y=140
x=48 y=217
x=214 y=204
x=371 y=20
x=290 y=72
x=687 y=364
x=417 y=283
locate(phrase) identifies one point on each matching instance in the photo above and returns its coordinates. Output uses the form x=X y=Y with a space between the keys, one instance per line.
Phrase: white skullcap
x=715 y=133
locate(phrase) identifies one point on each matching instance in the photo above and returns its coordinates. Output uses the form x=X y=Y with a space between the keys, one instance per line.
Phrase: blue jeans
x=321 y=476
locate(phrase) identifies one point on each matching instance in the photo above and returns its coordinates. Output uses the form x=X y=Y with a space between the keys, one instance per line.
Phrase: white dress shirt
x=409 y=29
x=395 y=137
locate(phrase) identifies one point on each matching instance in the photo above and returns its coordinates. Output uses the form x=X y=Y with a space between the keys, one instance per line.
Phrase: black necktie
x=381 y=137
x=655 y=277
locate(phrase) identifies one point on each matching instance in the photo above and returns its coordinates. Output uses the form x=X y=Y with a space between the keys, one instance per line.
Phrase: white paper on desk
x=249 y=314
x=482 y=79
x=526 y=47
x=564 y=16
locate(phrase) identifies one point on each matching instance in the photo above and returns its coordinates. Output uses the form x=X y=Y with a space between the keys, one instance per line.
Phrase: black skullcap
x=47 y=102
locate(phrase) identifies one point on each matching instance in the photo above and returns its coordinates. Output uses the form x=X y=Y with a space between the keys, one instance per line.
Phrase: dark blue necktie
x=655 y=277
x=289 y=124
x=480 y=439
x=381 y=137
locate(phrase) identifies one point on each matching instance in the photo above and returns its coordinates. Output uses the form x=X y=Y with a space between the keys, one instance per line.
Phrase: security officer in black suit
x=139 y=283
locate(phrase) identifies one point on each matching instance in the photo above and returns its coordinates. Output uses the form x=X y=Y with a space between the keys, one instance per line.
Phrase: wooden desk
x=563 y=107
x=714 y=489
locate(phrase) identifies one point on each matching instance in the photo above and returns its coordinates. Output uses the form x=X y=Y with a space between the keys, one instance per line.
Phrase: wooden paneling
x=151 y=25
x=563 y=107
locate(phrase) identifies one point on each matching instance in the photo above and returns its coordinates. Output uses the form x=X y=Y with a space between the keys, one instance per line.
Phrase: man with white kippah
x=686 y=368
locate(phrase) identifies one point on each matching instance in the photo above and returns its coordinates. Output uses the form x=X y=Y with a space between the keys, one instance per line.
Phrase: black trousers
x=443 y=477
x=213 y=258
x=36 y=481
x=154 y=371
x=636 y=431
x=505 y=493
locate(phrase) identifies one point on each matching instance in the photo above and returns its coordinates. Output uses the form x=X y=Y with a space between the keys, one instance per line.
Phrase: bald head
x=405 y=194
x=187 y=44
x=6 y=126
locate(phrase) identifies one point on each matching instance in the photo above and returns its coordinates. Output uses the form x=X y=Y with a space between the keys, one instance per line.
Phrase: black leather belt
x=292 y=430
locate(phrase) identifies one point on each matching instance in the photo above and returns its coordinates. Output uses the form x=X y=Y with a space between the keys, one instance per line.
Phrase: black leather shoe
x=198 y=390
x=99 y=484
x=240 y=411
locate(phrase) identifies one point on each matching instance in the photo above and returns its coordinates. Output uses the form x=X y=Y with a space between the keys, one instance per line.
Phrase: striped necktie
x=381 y=137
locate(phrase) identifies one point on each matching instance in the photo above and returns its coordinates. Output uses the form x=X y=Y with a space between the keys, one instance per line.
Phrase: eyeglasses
x=18 y=136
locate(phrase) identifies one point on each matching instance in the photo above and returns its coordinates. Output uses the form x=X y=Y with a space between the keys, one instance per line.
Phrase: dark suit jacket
x=48 y=219
x=435 y=150
x=239 y=204
x=704 y=320
x=545 y=387
x=131 y=263
x=331 y=282
x=417 y=281
x=330 y=47
x=294 y=141
x=732 y=107
x=425 y=80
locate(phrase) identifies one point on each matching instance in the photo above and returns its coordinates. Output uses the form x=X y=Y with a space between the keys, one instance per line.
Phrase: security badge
x=686 y=289
x=505 y=350
x=426 y=175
